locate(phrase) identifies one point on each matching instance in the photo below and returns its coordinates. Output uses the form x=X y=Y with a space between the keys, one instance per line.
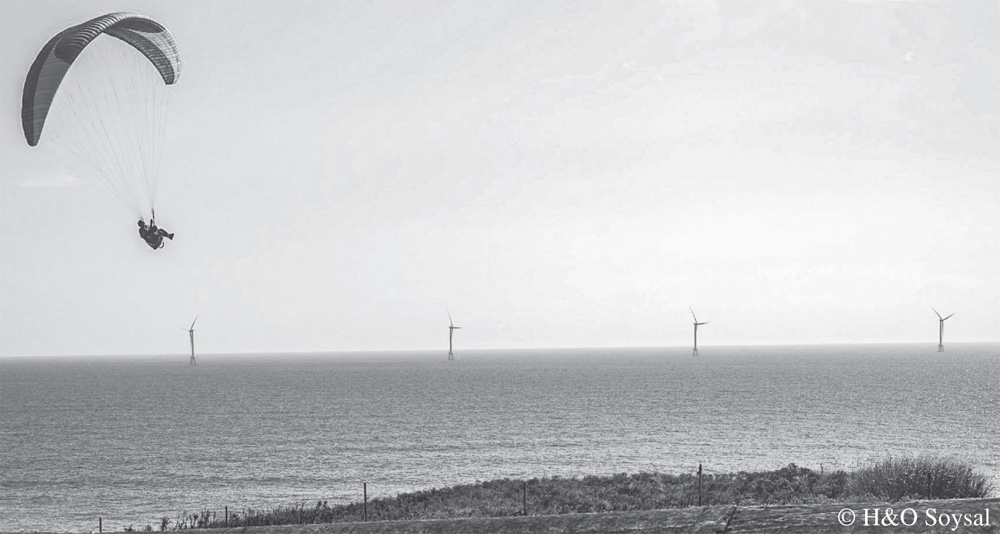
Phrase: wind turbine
x=940 y=329
x=696 y=325
x=451 y=334
x=191 y=333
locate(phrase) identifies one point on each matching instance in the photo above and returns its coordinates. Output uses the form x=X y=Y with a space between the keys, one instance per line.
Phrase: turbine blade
x=450 y=322
x=946 y=318
x=936 y=313
x=194 y=321
x=693 y=315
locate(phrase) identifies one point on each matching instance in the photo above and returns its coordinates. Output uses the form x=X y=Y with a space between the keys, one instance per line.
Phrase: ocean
x=135 y=439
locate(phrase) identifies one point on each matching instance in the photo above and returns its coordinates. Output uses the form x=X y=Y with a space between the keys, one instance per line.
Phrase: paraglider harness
x=152 y=235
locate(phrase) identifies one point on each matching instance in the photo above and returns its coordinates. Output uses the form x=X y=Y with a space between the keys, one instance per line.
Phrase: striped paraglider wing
x=50 y=66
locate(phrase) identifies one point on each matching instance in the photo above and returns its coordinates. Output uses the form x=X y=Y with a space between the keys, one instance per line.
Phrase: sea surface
x=135 y=439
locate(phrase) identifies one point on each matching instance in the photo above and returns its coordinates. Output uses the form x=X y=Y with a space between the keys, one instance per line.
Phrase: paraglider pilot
x=152 y=235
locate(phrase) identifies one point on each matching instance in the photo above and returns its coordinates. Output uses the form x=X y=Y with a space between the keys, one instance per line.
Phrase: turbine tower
x=191 y=333
x=696 y=325
x=940 y=329
x=451 y=334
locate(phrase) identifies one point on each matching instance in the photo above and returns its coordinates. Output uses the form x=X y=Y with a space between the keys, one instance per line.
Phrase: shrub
x=896 y=479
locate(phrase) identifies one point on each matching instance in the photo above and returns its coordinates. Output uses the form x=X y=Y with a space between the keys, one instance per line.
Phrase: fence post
x=699 y=484
x=100 y=526
x=930 y=495
x=524 y=488
x=365 y=487
x=227 y=516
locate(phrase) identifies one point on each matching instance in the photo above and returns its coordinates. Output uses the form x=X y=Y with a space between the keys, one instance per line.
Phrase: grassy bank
x=892 y=480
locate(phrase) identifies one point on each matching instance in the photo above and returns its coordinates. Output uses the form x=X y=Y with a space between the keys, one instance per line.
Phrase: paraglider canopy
x=144 y=34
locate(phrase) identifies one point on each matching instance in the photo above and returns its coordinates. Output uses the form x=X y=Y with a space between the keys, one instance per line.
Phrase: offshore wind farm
x=694 y=352
x=571 y=177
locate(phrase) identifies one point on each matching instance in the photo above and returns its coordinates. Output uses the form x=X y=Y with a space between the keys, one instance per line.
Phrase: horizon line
x=496 y=349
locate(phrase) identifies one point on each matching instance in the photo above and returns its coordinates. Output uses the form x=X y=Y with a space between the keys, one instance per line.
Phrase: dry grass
x=891 y=480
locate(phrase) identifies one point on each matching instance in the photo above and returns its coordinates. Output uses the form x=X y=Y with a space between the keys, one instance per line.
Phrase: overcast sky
x=339 y=174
